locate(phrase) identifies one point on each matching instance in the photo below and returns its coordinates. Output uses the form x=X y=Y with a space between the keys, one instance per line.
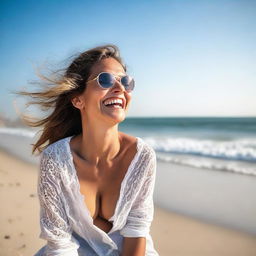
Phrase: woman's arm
x=55 y=228
x=141 y=214
x=134 y=246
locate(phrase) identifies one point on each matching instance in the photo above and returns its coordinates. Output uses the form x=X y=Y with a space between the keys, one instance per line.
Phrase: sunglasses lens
x=106 y=80
x=128 y=83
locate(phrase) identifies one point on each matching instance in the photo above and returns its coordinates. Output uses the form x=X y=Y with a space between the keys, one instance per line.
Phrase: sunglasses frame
x=120 y=78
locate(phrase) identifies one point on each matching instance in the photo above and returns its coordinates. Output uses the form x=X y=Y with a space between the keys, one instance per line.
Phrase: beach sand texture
x=173 y=234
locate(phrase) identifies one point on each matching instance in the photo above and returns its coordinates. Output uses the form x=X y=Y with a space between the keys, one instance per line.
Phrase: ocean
x=224 y=144
x=206 y=166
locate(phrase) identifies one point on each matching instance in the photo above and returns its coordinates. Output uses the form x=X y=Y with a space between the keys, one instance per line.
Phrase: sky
x=188 y=58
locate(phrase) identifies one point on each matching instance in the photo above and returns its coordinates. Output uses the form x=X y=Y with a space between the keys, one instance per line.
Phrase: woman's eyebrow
x=115 y=74
x=119 y=74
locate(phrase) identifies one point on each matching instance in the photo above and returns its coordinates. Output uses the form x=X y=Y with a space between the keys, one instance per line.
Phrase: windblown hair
x=56 y=93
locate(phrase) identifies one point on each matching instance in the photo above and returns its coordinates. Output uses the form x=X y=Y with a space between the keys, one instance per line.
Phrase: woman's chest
x=101 y=187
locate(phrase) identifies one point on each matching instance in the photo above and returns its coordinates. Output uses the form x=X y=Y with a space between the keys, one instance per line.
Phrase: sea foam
x=239 y=149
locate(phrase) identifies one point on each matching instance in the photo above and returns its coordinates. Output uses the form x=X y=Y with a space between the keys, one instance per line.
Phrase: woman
x=95 y=183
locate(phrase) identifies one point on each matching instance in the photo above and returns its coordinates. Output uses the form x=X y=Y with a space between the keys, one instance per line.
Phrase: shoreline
x=172 y=233
x=219 y=198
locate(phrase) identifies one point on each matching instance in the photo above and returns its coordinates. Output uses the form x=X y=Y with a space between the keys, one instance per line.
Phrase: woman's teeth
x=116 y=103
x=113 y=106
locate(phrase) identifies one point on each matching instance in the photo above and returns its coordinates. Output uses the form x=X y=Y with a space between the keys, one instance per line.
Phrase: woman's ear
x=77 y=102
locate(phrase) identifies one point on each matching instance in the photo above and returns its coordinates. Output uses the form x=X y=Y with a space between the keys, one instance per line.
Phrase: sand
x=173 y=234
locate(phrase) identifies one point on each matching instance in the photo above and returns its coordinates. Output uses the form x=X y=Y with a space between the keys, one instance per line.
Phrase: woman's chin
x=115 y=114
x=116 y=117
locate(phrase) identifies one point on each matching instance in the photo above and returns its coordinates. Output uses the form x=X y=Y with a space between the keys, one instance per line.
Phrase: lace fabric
x=63 y=211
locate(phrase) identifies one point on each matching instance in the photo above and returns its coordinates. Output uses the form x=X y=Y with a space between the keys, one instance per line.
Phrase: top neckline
x=127 y=174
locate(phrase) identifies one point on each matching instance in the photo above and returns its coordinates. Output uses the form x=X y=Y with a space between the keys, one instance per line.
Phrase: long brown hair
x=65 y=119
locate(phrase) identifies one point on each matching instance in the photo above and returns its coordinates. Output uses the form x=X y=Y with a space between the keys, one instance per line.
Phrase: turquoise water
x=223 y=144
x=215 y=128
x=206 y=166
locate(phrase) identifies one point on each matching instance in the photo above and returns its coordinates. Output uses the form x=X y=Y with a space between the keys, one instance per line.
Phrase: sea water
x=225 y=144
x=206 y=166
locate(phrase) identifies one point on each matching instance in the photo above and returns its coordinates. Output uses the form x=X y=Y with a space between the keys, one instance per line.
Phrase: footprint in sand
x=23 y=246
x=7 y=237
x=10 y=220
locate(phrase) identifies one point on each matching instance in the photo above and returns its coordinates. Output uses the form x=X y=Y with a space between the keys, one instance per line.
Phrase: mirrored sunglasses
x=106 y=80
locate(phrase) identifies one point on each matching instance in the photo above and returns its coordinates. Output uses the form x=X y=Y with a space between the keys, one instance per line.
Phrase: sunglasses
x=107 y=80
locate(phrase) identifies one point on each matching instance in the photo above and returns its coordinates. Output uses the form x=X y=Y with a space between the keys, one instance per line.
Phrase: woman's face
x=94 y=96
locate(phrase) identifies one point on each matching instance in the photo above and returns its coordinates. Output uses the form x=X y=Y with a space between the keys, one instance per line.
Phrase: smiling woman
x=95 y=184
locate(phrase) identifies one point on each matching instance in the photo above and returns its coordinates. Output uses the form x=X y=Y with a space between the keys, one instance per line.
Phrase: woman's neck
x=99 y=144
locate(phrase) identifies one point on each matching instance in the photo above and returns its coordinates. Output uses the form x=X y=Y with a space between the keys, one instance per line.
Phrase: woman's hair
x=56 y=93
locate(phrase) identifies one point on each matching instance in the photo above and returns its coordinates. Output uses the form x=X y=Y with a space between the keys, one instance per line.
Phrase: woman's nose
x=118 y=85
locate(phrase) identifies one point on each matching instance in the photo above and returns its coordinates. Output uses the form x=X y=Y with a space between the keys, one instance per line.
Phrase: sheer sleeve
x=141 y=214
x=55 y=228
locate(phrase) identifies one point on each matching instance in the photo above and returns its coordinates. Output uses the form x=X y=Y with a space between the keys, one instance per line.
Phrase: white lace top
x=65 y=221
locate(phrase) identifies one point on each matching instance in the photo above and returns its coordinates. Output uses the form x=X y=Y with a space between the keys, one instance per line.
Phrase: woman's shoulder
x=53 y=157
x=143 y=146
x=56 y=148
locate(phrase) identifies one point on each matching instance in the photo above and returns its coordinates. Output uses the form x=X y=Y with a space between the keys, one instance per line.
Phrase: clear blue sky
x=189 y=58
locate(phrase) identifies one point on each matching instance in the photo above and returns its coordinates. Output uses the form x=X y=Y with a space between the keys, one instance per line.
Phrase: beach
x=172 y=233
